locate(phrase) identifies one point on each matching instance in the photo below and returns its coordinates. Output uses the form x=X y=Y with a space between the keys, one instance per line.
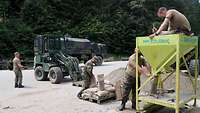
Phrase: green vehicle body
x=84 y=49
x=52 y=62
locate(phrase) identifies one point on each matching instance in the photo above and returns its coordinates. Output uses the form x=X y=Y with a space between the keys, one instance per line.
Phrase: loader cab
x=46 y=44
x=38 y=45
x=44 y=48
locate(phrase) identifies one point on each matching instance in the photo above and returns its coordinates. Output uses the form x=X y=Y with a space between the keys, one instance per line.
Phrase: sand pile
x=185 y=83
x=185 y=86
x=115 y=76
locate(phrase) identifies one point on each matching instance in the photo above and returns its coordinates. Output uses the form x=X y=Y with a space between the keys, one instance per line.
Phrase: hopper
x=159 y=49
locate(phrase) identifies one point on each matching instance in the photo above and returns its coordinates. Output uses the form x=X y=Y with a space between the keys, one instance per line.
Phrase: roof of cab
x=77 y=39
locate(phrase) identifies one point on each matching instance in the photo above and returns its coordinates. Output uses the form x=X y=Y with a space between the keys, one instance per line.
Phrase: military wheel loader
x=52 y=62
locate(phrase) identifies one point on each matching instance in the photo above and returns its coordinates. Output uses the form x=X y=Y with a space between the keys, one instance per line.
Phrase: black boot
x=21 y=86
x=122 y=106
x=16 y=85
x=79 y=95
x=134 y=106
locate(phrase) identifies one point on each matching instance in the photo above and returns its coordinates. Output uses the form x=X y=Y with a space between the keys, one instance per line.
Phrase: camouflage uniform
x=17 y=71
x=129 y=80
x=89 y=78
x=88 y=75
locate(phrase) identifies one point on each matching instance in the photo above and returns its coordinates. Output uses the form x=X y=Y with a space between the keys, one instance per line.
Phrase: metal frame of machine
x=181 y=45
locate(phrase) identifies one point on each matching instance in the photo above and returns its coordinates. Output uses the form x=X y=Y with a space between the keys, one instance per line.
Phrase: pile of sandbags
x=98 y=95
x=106 y=87
x=115 y=78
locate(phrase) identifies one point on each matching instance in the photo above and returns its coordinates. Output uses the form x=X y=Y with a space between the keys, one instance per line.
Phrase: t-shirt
x=177 y=21
x=16 y=62
x=132 y=59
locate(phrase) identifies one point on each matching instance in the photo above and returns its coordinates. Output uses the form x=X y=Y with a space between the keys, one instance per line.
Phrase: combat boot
x=133 y=106
x=79 y=95
x=122 y=106
x=16 y=85
x=21 y=86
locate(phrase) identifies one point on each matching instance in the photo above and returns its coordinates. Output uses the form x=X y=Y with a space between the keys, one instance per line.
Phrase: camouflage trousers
x=129 y=84
x=18 y=76
x=89 y=80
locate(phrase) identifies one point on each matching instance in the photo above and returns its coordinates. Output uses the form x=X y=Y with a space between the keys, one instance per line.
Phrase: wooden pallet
x=99 y=101
x=97 y=96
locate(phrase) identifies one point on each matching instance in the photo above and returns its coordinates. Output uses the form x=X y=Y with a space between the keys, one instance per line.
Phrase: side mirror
x=49 y=58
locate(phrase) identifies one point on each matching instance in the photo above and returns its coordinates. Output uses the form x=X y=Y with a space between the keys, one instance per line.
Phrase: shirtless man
x=174 y=22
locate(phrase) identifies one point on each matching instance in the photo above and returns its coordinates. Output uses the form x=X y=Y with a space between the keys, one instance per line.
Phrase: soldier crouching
x=89 y=78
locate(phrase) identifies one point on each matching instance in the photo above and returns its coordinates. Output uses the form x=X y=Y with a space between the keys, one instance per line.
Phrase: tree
x=114 y=22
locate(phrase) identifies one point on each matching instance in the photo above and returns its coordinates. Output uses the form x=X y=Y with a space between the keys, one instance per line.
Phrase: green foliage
x=113 y=22
x=16 y=36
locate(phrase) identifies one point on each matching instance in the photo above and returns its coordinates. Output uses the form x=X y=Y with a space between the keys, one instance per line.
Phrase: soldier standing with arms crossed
x=17 y=67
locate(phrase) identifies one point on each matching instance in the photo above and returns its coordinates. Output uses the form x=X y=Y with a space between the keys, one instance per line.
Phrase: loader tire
x=55 y=75
x=39 y=73
x=100 y=61
x=192 y=67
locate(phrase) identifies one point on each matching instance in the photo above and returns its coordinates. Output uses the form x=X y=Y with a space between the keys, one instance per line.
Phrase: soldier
x=174 y=22
x=88 y=75
x=129 y=80
x=17 y=67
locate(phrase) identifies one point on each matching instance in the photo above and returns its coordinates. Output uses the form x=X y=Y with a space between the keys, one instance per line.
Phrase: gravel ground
x=44 y=97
